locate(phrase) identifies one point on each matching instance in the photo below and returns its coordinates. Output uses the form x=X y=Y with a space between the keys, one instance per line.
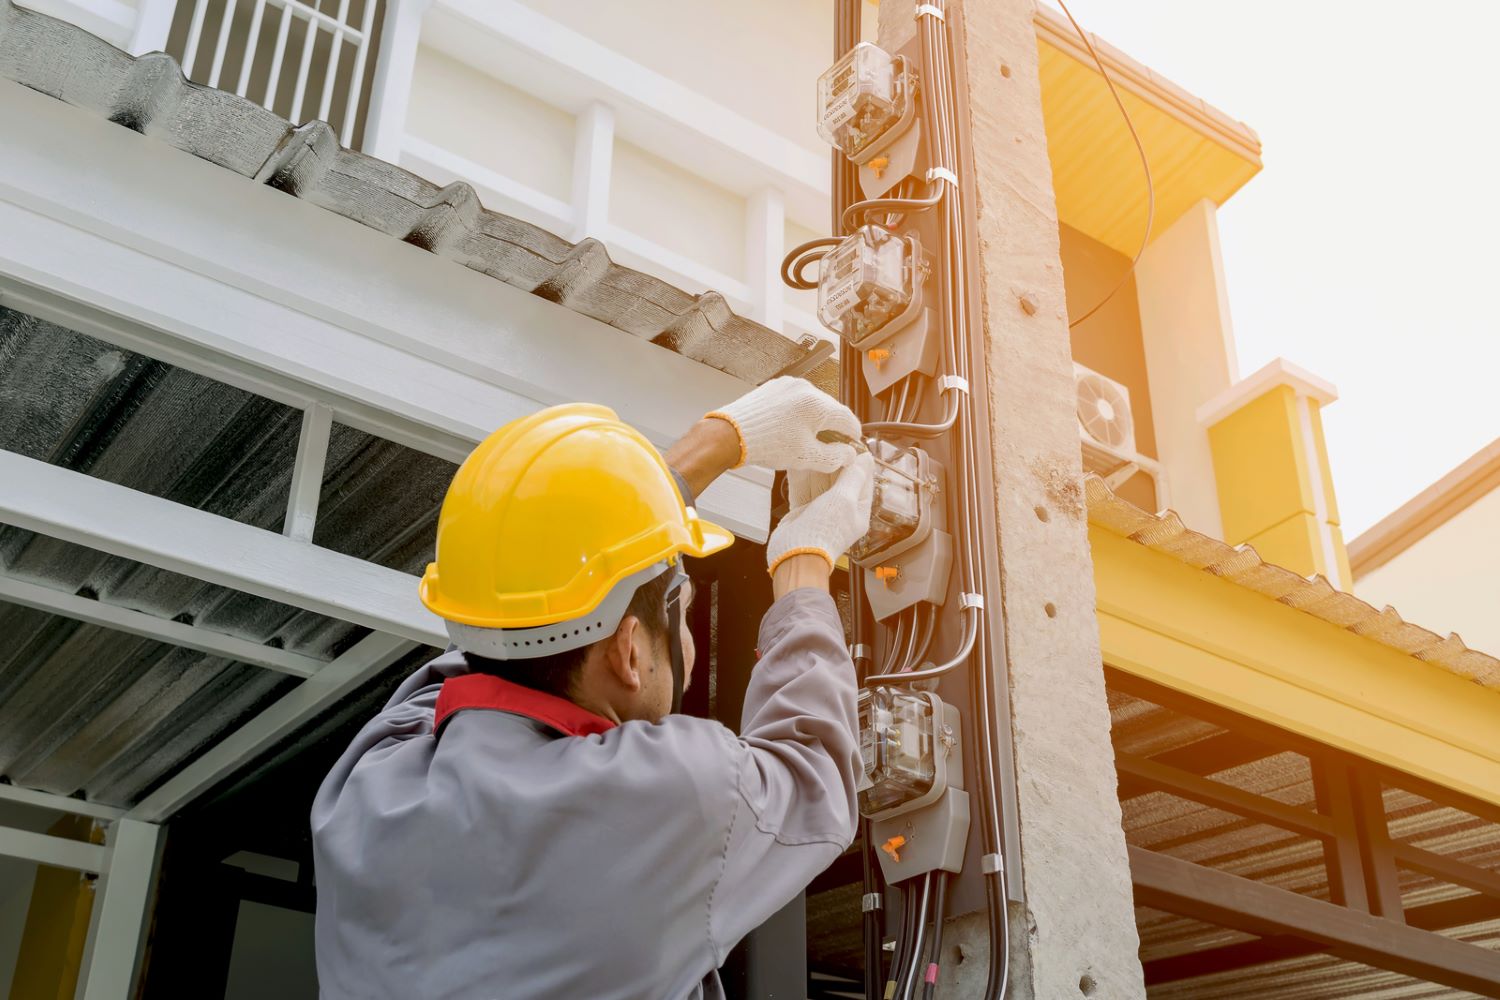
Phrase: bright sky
x=1366 y=249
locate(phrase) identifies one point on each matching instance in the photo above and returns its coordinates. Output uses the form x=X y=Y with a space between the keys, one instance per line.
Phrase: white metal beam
x=56 y=851
x=135 y=849
x=190 y=263
x=340 y=678
x=77 y=508
x=112 y=616
x=593 y=161
x=61 y=803
x=307 y=473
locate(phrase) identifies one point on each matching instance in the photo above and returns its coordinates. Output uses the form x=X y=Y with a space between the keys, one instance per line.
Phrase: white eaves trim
x=86 y=511
x=525 y=49
x=192 y=264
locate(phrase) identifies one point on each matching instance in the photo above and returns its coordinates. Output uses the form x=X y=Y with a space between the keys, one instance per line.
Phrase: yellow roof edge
x=1242 y=565
x=1053 y=28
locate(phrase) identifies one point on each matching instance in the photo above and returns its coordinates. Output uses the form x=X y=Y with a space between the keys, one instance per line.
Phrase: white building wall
x=457 y=108
x=1190 y=356
x=509 y=122
x=670 y=206
x=1447 y=578
x=760 y=59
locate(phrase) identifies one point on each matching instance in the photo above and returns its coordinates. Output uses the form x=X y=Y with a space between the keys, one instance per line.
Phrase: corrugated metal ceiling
x=93 y=711
x=1183 y=829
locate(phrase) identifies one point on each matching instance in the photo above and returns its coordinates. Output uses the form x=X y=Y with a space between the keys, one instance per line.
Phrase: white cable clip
x=872 y=901
x=968 y=600
x=991 y=864
x=860 y=651
x=931 y=10
x=942 y=174
x=958 y=382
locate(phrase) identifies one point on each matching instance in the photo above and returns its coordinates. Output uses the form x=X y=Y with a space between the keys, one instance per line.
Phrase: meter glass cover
x=865 y=282
x=896 y=509
x=859 y=99
x=897 y=743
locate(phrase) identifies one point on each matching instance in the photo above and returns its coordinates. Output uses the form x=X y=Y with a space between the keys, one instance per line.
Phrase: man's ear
x=620 y=657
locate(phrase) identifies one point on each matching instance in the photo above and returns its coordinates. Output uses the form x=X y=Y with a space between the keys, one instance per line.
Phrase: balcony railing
x=303 y=59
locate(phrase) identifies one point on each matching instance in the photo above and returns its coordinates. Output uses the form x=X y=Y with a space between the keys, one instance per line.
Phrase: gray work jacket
x=503 y=859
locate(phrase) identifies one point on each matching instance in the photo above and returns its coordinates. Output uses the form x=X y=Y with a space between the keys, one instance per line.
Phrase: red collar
x=500 y=695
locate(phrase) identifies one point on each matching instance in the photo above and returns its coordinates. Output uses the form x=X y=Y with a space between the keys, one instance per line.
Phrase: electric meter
x=868 y=281
x=862 y=98
x=896 y=742
x=907 y=742
x=902 y=492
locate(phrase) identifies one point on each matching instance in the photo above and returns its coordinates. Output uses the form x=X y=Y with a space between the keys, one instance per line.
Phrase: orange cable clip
x=893 y=847
x=879 y=164
x=879 y=355
x=887 y=574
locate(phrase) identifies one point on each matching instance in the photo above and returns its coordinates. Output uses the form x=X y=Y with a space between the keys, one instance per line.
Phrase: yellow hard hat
x=549 y=513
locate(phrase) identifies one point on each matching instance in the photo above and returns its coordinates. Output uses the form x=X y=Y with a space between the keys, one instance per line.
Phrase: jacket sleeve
x=794 y=766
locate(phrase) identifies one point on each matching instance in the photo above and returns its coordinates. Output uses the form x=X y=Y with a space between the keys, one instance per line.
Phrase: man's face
x=657 y=691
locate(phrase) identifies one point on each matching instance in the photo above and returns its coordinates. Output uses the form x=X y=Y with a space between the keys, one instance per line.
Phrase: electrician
x=526 y=818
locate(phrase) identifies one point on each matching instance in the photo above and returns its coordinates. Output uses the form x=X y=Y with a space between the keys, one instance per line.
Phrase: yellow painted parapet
x=1271 y=465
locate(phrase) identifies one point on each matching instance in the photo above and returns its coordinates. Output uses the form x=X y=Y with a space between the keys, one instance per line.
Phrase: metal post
x=135 y=848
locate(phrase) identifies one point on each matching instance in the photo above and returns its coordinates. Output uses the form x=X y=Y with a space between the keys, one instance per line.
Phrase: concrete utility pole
x=1076 y=935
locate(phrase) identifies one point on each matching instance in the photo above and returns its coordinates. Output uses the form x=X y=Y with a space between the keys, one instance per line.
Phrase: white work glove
x=830 y=512
x=779 y=423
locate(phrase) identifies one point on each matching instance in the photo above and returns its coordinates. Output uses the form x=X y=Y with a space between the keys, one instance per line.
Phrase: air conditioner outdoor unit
x=1106 y=430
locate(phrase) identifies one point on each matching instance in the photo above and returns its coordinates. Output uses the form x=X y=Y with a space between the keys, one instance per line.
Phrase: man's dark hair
x=555 y=674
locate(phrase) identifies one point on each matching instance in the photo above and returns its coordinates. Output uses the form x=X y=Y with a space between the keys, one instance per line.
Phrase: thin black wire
x=802 y=255
x=938 y=911
x=853 y=216
x=1145 y=165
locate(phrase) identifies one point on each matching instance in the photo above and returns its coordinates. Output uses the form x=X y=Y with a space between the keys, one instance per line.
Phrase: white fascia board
x=78 y=508
x=525 y=49
x=188 y=262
